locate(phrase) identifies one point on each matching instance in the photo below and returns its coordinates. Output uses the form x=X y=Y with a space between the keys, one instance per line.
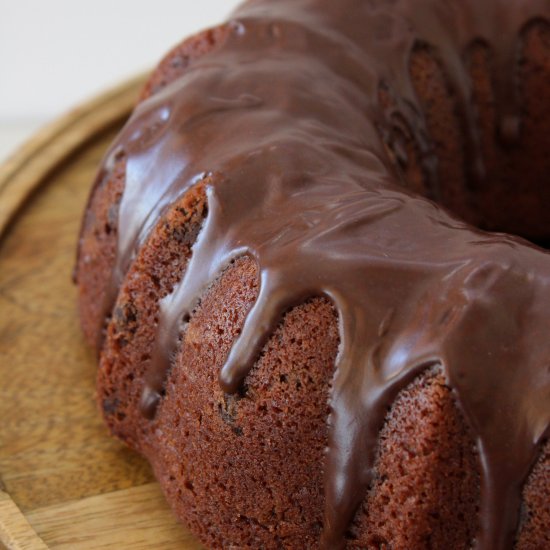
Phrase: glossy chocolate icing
x=283 y=123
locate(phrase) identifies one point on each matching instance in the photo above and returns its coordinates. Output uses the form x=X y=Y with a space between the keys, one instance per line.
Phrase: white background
x=57 y=53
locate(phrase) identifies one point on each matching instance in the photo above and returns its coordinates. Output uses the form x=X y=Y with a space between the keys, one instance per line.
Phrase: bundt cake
x=313 y=267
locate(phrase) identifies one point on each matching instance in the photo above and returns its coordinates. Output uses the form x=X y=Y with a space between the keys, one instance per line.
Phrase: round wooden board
x=64 y=482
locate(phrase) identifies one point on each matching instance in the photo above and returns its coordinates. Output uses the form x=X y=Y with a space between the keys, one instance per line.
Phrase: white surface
x=57 y=53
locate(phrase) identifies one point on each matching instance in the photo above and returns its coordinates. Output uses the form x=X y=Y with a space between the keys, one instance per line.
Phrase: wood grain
x=15 y=529
x=105 y=521
x=64 y=482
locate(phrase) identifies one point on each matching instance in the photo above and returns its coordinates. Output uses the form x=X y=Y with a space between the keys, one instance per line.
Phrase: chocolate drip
x=283 y=119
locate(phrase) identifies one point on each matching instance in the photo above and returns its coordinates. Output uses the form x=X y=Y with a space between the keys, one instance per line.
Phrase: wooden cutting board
x=64 y=482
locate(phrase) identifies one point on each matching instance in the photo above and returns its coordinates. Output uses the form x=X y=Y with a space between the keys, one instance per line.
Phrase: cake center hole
x=485 y=158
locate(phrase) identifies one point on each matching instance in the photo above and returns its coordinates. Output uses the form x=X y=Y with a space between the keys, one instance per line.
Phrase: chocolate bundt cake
x=313 y=266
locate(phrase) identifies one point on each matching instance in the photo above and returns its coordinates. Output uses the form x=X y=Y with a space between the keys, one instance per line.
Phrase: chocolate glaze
x=282 y=122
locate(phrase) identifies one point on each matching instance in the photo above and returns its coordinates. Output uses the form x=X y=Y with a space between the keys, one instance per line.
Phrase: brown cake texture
x=248 y=468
